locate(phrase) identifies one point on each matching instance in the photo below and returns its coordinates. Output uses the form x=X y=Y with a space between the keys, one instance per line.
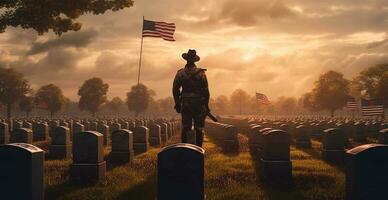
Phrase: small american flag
x=371 y=107
x=162 y=30
x=352 y=104
x=261 y=98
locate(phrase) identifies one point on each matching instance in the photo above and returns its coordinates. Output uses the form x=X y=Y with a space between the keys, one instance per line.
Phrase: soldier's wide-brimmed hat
x=191 y=54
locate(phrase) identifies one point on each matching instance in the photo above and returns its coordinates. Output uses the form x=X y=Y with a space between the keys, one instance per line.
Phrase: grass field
x=227 y=176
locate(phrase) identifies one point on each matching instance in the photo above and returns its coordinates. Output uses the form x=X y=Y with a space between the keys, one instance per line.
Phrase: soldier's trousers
x=188 y=117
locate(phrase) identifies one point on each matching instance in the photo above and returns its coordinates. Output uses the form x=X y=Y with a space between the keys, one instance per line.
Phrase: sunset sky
x=275 y=47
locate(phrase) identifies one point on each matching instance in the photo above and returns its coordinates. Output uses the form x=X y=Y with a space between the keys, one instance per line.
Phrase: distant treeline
x=330 y=93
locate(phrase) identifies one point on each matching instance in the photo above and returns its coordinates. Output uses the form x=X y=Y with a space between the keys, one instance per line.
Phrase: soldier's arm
x=177 y=84
x=206 y=92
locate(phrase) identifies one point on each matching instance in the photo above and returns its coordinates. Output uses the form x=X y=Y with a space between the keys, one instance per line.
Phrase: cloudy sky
x=278 y=47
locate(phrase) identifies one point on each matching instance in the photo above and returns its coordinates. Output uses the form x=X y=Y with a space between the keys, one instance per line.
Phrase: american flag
x=159 y=29
x=371 y=107
x=261 y=98
x=352 y=104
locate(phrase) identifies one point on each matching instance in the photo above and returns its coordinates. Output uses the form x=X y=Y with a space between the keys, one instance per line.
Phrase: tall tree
x=26 y=104
x=13 y=86
x=369 y=79
x=51 y=97
x=331 y=91
x=93 y=95
x=115 y=105
x=138 y=98
x=58 y=15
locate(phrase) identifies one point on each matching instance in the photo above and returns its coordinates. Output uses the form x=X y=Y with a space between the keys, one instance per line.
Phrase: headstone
x=275 y=164
x=383 y=136
x=366 y=172
x=302 y=137
x=27 y=125
x=40 y=131
x=21 y=135
x=93 y=126
x=21 y=172
x=88 y=158
x=104 y=130
x=4 y=133
x=163 y=132
x=52 y=124
x=78 y=128
x=17 y=124
x=181 y=172
x=122 y=146
x=155 y=136
x=141 y=139
x=60 y=147
x=333 y=145
x=114 y=127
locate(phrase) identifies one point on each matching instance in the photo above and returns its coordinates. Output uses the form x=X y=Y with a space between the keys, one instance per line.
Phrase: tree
x=221 y=104
x=58 y=15
x=369 y=79
x=382 y=89
x=12 y=87
x=288 y=105
x=26 y=104
x=239 y=100
x=51 y=97
x=138 y=98
x=331 y=91
x=307 y=102
x=115 y=105
x=93 y=95
x=166 y=106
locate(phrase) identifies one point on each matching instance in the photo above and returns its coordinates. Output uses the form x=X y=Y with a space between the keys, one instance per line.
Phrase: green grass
x=227 y=176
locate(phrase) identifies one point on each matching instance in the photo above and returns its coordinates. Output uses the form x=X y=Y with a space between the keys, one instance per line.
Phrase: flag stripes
x=353 y=105
x=262 y=98
x=162 y=30
x=371 y=108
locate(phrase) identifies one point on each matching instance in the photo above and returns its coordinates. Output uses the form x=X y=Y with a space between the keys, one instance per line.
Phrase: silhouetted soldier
x=193 y=100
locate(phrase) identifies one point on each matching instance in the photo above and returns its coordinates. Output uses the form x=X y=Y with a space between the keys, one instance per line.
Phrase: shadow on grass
x=145 y=190
x=227 y=150
x=274 y=191
x=62 y=189
x=316 y=153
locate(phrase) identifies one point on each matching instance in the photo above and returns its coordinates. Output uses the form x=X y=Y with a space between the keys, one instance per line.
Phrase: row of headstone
x=271 y=150
x=226 y=133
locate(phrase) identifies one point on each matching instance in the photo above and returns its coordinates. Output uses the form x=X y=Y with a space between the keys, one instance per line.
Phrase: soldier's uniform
x=192 y=101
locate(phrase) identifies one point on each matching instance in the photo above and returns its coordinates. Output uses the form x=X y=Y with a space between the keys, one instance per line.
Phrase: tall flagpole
x=141 y=52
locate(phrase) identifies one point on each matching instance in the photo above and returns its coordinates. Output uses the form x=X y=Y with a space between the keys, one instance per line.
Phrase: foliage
x=93 y=95
x=55 y=15
x=138 y=98
x=368 y=80
x=51 y=96
x=13 y=86
x=26 y=104
x=115 y=104
x=240 y=101
x=382 y=89
x=220 y=105
x=331 y=91
x=166 y=106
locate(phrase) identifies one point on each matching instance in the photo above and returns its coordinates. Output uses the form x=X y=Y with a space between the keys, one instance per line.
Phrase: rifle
x=214 y=119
